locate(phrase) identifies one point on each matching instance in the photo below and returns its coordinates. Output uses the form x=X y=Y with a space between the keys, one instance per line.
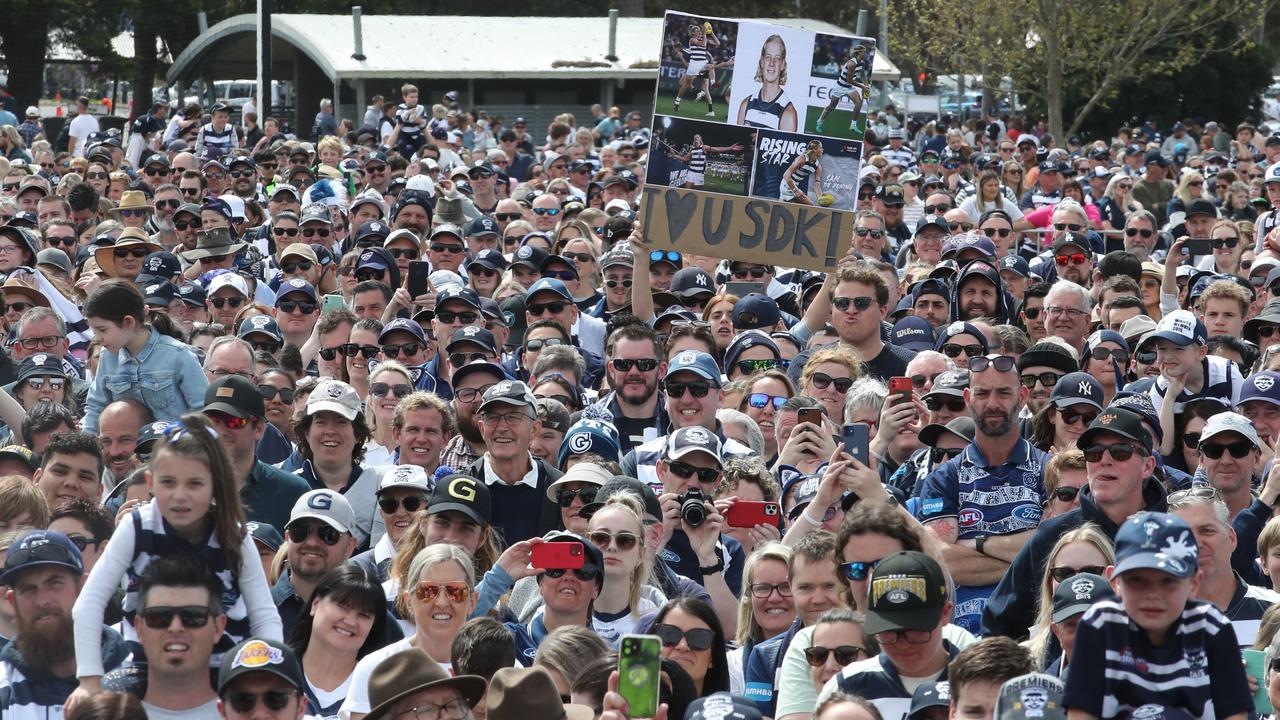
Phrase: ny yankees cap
x=1077 y=389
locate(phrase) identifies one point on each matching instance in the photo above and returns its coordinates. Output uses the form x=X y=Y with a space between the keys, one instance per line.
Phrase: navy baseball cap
x=402 y=325
x=1119 y=421
x=1077 y=593
x=1263 y=385
x=959 y=327
x=697 y=362
x=1015 y=264
x=482 y=225
x=1077 y=389
x=1156 y=541
x=457 y=292
x=756 y=311
x=551 y=285
x=913 y=333
x=691 y=282
x=929 y=696
x=41 y=547
x=747 y=340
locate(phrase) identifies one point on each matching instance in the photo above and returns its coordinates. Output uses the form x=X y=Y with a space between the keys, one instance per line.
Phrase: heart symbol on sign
x=680 y=210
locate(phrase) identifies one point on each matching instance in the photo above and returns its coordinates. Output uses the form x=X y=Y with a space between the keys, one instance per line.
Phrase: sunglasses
x=859 y=303
x=507 y=217
x=303 y=306
x=822 y=381
x=560 y=274
x=583 y=574
x=858 y=571
x=755 y=271
x=1073 y=227
x=1002 y=363
x=299 y=533
x=845 y=654
x=81 y=542
x=940 y=455
x=1118 y=451
x=992 y=232
x=185 y=224
x=440 y=248
x=427 y=592
x=61 y=241
x=1070 y=417
x=399 y=390
x=231 y=302
x=555 y=308
x=670 y=256
x=1238 y=450
x=579 y=257
x=127 y=252
x=281 y=231
x=393 y=351
x=760 y=400
x=274 y=700
x=546 y=211
x=160 y=617
x=1130 y=232
x=601 y=539
x=465 y=317
x=953 y=350
x=38 y=383
x=565 y=497
x=1220 y=243
x=643 y=364
x=864 y=232
x=412 y=504
x=938 y=209
x=751 y=367
x=1064 y=573
x=300 y=266
x=699 y=388
x=698 y=639
x=1066 y=493
x=316 y=232
x=934 y=404
x=684 y=471
x=227 y=421
x=271 y=392
x=1074 y=259
x=1046 y=379
x=1102 y=353
x=537 y=345
x=1032 y=312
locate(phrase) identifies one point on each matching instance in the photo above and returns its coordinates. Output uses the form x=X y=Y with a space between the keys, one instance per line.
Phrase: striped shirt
x=696 y=53
x=28 y=693
x=843 y=81
x=1222 y=382
x=902 y=157
x=763 y=113
x=878 y=681
x=1115 y=668
x=1248 y=603
x=698 y=160
x=223 y=140
x=802 y=173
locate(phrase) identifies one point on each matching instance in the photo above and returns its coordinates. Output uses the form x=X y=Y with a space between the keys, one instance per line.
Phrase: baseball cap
x=1227 y=421
x=264 y=324
x=960 y=327
x=259 y=655
x=929 y=696
x=1119 y=421
x=695 y=361
x=891 y=194
x=747 y=340
x=41 y=547
x=951 y=383
x=403 y=325
x=510 y=392
x=619 y=257
x=472 y=334
x=234 y=395
x=1201 y=207
x=1156 y=541
x=1182 y=328
x=962 y=427
x=464 y=494
x=688 y=440
x=1070 y=238
x=1034 y=695
x=1015 y=264
x=1077 y=388
x=1263 y=385
x=913 y=333
x=530 y=256
x=1136 y=327
x=1077 y=593
x=41 y=365
x=722 y=706
x=475 y=366
x=691 y=282
x=936 y=221
x=324 y=505
x=590 y=436
x=756 y=311
x=265 y=533
x=231 y=280
x=552 y=413
x=550 y=285
x=957 y=244
x=907 y=592
x=334 y=396
x=405 y=476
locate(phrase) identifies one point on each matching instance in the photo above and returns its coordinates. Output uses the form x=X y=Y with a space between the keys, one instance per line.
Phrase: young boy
x=1269 y=552
x=977 y=673
x=1156 y=646
x=409 y=122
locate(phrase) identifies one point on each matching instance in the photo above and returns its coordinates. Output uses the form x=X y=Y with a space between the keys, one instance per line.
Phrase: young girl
x=195 y=510
x=137 y=360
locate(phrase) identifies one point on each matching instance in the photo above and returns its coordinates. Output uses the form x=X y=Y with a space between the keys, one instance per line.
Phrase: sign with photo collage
x=757 y=141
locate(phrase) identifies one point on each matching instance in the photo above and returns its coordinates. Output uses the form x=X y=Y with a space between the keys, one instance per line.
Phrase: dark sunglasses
x=412 y=504
x=351 y=350
x=859 y=303
x=231 y=302
x=992 y=232
x=1238 y=450
x=1002 y=363
x=699 y=388
x=754 y=271
x=315 y=232
x=1101 y=353
x=940 y=455
x=140 y=252
x=271 y=392
x=537 y=345
x=872 y=232
x=565 y=497
x=1066 y=493
x=1071 y=416
x=440 y=248
x=245 y=702
x=393 y=351
x=583 y=574
x=303 y=306
x=184 y=224
x=160 y=617
x=1046 y=379
x=1064 y=573
x=298 y=534
x=954 y=350
x=300 y=266
x=1220 y=243
x=751 y=367
x=699 y=639
x=954 y=404
x=459 y=359
x=465 y=317
x=380 y=389
x=1130 y=232
x=684 y=471
x=537 y=309
x=857 y=571
x=822 y=381
x=1118 y=451
x=845 y=654
x=614 y=282
x=643 y=364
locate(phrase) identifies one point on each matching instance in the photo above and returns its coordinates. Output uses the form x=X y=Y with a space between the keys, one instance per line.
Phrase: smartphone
x=901 y=386
x=809 y=415
x=750 y=513
x=856 y=439
x=743 y=289
x=1199 y=246
x=1255 y=665
x=557 y=556
x=639 y=673
x=332 y=302
x=417 y=284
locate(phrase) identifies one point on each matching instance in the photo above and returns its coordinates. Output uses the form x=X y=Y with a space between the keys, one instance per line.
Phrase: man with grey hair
x=1140 y=234
x=869 y=236
x=1066 y=313
x=739 y=426
x=924 y=367
x=1206 y=512
x=40 y=330
x=233 y=356
x=326 y=123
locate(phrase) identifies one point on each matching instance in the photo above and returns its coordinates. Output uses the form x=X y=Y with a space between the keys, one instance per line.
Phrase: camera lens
x=692 y=510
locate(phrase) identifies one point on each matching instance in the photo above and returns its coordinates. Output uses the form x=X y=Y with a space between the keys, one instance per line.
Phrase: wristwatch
x=713 y=569
x=978 y=542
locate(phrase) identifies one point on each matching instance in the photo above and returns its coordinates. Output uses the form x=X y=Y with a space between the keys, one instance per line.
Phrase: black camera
x=692 y=508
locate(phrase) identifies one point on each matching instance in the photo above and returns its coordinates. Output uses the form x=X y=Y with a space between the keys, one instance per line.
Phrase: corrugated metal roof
x=454 y=46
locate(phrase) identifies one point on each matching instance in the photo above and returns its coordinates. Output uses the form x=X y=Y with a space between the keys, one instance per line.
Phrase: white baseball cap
x=326 y=506
x=334 y=396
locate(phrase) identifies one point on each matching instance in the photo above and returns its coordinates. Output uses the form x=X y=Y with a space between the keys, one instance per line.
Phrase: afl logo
x=897 y=597
x=970 y=516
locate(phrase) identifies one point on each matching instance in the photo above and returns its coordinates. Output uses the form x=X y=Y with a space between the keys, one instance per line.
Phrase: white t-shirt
x=329 y=698
x=358 y=686
x=82 y=126
x=207 y=711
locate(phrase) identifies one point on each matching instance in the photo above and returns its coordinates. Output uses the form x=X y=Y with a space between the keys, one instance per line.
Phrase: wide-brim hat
x=132 y=200
x=16 y=286
x=410 y=671
x=213 y=242
x=131 y=237
x=529 y=693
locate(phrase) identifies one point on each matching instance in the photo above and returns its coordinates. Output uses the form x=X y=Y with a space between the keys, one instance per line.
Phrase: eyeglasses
x=81 y=542
x=1002 y=363
x=1066 y=493
x=601 y=539
x=613 y=282
x=300 y=266
x=315 y=232
x=275 y=700
x=699 y=388
x=466 y=317
x=140 y=252
x=1047 y=379
x=578 y=257
x=231 y=302
x=67 y=242
x=857 y=570
x=564 y=497
x=954 y=350
x=428 y=591
x=754 y=271
x=38 y=383
x=1144 y=232
x=1070 y=417
x=555 y=308
x=281 y=231
x=170 y=203
x=453 y=710
x=934 y=404
x=1066 y=572
x=859 y=303
x=271 y=392
x=510 y=418
x=411 y=504
x=864 y=232
x=699 y=639
x=299 y=533
x=760 y=400
x=1220 y=243
x=764 y=590
x=440 y=248
x=469 y=395
x=1101 y=353
x=44 y=341
x=88 y=176
x=393 y=351
x=992 y=232
x=184 y=224
x=822 y=381
x=1032 y=312
x=560 y=274
x=19 y=307
x=1056 y=311
x=1238 y=450
x=552 y=212
x=583 y=574
x=751 y=367
x=845 y=654
x=912 y=637
x=940 y=455
x=1119 y=452
x=684 y=471
x=160 y=617
x=1074 y=259
x=643 y=364
x=538 y=345
x=1144 y=357
x=380 y=389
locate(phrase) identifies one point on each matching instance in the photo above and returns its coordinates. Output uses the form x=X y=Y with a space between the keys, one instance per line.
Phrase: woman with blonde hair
x=990 y=196
x=1013 y=177
x=1084 y=549
x=617 y=529
x=388 y=383
x=827 y=378
x=568 y=650
x=1190 y=188
x=766 y=608
x=1118 y=203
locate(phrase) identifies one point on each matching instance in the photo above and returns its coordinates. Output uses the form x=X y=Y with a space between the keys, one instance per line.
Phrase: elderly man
x=1066 y=314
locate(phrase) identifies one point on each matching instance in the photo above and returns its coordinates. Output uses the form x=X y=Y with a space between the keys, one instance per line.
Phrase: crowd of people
x=415 y=417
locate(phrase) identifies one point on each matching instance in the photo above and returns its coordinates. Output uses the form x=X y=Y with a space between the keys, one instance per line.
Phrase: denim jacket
x=166 y=376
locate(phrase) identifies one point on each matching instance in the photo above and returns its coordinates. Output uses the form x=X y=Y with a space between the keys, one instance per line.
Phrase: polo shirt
x=269 y=494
